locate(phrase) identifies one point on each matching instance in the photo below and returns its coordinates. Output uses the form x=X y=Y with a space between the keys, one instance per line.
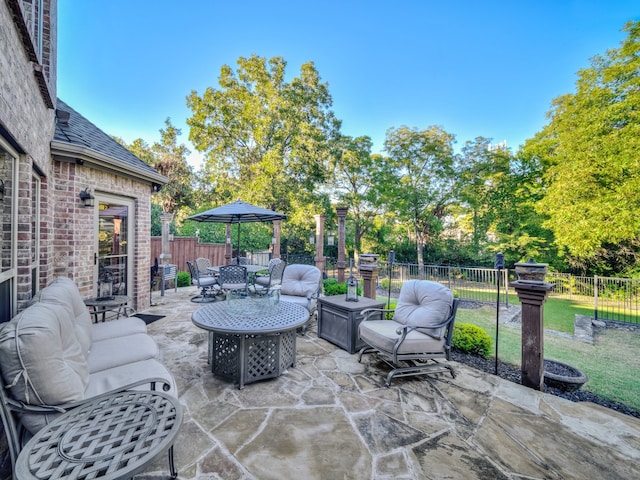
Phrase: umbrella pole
x=238 y=253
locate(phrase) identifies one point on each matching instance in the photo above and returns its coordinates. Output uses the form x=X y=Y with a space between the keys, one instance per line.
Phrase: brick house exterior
x=49 y=153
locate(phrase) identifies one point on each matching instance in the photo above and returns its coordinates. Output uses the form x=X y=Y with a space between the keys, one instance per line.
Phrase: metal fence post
x=595 y=296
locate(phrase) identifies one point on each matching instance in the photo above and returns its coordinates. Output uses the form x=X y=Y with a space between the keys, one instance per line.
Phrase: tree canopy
x=590 y=147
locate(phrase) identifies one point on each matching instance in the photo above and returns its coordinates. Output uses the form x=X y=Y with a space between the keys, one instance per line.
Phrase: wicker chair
x=419 y=333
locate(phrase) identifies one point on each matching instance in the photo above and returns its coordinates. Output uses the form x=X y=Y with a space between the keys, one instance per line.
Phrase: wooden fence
x=188 y=248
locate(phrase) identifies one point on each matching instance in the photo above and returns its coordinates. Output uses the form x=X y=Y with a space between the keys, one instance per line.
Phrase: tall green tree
x=170 y=159
x=591 y=146
x=265 y=140
x=358 y=177
x=423 y=163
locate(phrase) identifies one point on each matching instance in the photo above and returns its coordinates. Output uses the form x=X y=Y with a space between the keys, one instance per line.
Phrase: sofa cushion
x=118 y=328
x=41 y=358
x=63 y=291
x=113 y=352
x=117 y=377
x=423 y=303
x=301 y=280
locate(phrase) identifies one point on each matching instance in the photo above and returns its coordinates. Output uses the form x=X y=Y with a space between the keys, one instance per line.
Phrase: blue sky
x=475 y=68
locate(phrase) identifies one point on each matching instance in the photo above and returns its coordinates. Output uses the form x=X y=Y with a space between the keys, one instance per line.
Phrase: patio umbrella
x=238 y=212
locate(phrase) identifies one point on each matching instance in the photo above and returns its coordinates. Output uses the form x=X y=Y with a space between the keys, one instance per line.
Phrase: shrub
x=471 y=339
x=330 y=287
x=183 y=279
x=384 y=283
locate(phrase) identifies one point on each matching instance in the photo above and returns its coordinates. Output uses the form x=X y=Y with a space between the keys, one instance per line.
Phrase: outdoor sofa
x=52 y=354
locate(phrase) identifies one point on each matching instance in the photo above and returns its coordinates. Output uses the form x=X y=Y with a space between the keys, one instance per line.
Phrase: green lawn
x=611 y=363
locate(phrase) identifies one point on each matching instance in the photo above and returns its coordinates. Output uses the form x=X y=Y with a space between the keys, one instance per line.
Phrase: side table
x=338 y=320
x=112 y=437
x=116 y=303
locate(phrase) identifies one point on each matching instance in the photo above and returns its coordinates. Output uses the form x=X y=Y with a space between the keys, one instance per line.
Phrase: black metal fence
x=614 y=299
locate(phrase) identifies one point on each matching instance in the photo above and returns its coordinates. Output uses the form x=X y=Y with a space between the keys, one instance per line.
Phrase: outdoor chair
x=234 y=277
x=240 y=261
x=418 y=335
x=302 y=284
x=202 y=264
x=208 y=285
x=263 y=283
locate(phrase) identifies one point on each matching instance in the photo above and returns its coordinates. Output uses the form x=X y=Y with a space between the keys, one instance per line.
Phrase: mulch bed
x=512 y=373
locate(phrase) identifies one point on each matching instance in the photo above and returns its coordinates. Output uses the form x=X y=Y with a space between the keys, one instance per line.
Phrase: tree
x=170 y=160
x=423 y=165
x=358 y=177
x=264 y=137
x=591 y=146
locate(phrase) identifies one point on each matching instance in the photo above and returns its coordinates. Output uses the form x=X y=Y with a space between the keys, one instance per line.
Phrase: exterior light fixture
x=312 y=239
x=86 y=199
x=2 y=189
x=352 y=285
x=331 y=239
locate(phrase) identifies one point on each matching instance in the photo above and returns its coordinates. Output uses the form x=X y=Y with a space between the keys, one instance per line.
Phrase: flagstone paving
x=331 y=417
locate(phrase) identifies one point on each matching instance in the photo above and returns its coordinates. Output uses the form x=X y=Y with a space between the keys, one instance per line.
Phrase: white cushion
x=113 y=352
x=117 y=377
x=63 y=291
x=423 y=303
x=301 y=280
x=296 y=299
x=381 y=334
x=118 y=328
x=39 y=351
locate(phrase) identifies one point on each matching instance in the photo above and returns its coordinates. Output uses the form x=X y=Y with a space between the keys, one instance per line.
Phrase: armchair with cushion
x=263 y=282
x=208 y=285
x=302 y=284
x=418 y=335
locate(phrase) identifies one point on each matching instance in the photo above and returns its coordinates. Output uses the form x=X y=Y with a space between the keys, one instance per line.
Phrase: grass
x=611 y=363
x=559 y=313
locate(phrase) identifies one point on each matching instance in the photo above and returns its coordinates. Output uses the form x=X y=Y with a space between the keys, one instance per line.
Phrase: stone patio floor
x=331 y=417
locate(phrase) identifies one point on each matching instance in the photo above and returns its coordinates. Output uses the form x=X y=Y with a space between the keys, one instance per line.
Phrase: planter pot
x=562 y=376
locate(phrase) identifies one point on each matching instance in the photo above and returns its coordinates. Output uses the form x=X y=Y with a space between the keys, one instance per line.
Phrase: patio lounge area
x=331 y=417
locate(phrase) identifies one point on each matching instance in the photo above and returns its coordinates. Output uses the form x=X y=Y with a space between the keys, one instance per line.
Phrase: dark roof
x=74 y=129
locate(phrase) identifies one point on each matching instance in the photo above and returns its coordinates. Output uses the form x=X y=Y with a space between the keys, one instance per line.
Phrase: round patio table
x=113 y=436
x=114 y=303
x=252 y=346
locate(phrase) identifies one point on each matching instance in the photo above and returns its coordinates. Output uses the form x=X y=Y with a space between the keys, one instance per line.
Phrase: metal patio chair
x=208 y=285
x=418 y=335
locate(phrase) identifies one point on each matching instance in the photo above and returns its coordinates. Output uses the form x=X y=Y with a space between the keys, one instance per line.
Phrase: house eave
x=66 y=152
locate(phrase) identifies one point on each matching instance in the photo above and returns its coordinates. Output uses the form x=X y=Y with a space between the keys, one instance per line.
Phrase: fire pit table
x=251 y=345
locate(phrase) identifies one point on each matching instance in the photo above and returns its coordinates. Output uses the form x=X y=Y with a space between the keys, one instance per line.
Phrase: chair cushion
x=63 y=291
x=118 y=377
x=118 y=328
x=422 y=303
x=301 y=280
x=40 y=353
x=113 y=352
x=381 y=334
x=296 y=299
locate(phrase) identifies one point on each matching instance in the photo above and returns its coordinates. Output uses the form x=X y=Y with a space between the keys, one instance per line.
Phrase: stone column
x=369 y=271
x=166 y=219
x=320 y=258
x=276 y=235
x=532 y=292
x=341 y=264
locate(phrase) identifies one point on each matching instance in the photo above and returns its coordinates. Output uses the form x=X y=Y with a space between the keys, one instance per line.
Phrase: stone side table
x=338 y=320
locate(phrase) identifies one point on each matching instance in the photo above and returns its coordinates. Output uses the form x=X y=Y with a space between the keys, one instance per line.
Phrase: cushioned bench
x=51 y=354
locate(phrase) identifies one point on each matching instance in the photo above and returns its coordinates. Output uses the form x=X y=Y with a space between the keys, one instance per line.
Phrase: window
x=8 y=232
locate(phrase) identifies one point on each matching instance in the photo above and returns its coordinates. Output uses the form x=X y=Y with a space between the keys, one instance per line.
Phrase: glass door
x=114 y=237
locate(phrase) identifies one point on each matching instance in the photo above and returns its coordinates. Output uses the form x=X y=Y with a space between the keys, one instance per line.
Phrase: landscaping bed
x=512 y=373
